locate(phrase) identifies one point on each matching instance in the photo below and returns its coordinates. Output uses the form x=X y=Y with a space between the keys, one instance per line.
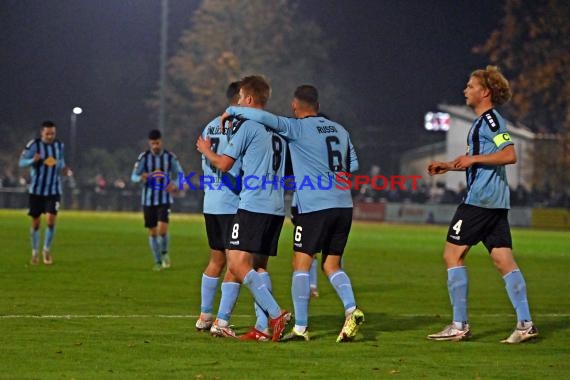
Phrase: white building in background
x=415 y=161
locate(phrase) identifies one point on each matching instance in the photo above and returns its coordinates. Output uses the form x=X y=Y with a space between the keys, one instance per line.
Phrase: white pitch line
x=104 y=316
x=544 y=315
x=192 y=316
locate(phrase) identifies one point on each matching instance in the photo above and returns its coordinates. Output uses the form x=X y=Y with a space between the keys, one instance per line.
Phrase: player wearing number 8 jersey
x=256 y=227
x=483 y=214
x=320 y=149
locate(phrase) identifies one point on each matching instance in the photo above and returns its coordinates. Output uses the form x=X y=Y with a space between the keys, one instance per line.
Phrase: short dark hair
x=48 y=124
x=233 y=90
x=154 y=134
x=308 y=94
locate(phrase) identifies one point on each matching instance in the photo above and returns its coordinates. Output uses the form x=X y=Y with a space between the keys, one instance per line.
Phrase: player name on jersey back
x=326 y=129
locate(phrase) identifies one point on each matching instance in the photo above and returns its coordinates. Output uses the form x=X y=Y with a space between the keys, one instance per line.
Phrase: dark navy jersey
x=165 y=165
x=45 y=174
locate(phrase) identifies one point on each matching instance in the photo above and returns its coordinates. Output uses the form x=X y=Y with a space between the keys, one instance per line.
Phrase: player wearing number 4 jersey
x=256 y=227
x=320 y=149
x=483 y=214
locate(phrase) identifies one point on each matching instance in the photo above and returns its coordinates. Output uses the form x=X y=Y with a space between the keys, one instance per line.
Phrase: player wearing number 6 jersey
x=320 y=149
x=483 y=214
x=256 y=227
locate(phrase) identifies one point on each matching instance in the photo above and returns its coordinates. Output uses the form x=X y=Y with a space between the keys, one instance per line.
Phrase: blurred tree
x=532 y=45
x=11 y=145
x=112 y=165
x=232 y=38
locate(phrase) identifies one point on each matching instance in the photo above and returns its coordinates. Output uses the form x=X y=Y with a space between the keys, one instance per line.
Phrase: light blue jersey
x=487 y=185
x=263 y=165
x=218 y=198
x=154 y=190
x=45 y=174
x=320 y=148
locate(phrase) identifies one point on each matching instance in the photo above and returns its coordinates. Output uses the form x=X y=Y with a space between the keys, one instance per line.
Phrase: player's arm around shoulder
x=289 y=128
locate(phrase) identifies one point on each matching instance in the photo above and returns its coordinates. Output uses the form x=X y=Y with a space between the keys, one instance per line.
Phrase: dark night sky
x=399 y=59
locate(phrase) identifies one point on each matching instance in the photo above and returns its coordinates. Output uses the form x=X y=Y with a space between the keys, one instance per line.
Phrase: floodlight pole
x=163 y=51
x=73 y=132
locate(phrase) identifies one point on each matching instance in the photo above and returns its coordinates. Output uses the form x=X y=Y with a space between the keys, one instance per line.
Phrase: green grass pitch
x=100 y=312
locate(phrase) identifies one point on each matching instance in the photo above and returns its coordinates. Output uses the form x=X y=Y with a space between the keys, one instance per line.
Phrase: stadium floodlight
x=73 y=131
x=437 y=121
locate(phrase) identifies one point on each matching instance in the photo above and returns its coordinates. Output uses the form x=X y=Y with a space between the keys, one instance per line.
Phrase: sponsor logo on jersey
x=50 y=161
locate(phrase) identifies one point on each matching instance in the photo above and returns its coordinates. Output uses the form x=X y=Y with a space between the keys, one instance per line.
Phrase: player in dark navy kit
x=320 y=150
x=157 y=170
x=482 y=217
x=220 y=206
x=256 y=227
x=45 y=157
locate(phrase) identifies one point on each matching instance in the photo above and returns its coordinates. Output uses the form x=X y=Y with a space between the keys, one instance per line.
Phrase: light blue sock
x=164 y=240
x=262 y=322
x=35 y=235
x=208 y=291
x=457 y=286
x=341 y=283
x=516 y=288
x=155 y=249
x=230 y=293
x=313 y=274
x=50 y=232
x=262 y=295
x=301 y=292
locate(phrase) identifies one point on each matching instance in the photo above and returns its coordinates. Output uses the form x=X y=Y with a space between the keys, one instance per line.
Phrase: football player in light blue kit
x=220 y=206
x=320 y=150
x=154 y=169
x=483 y=214
x=255 y=231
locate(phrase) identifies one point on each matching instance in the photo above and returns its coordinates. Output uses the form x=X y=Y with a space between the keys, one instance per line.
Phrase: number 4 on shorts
x=457 y=226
